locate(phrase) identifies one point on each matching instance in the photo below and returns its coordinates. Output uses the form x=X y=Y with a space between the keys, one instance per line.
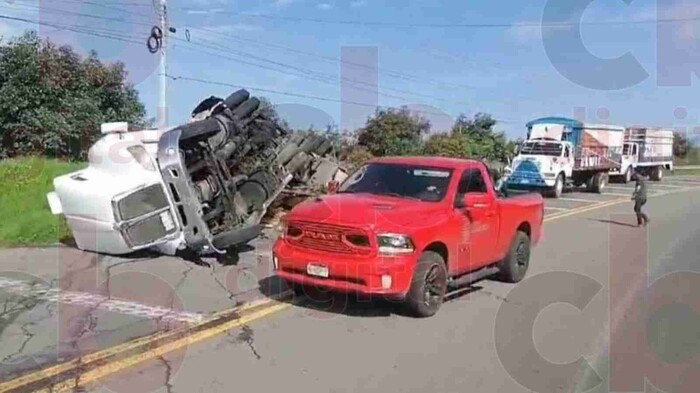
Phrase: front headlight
x=392 y=244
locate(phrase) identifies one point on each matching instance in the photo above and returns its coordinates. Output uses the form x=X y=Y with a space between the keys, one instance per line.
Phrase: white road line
x=631 y=188
x=555 y=208
x=578 y=200
x=617 y=194
x=127 y=307
x=667 y=185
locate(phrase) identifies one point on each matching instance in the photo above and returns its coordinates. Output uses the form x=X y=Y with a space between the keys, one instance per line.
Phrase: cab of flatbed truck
x=409 y=228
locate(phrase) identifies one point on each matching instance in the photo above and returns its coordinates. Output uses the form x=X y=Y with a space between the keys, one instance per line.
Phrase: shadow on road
x=624 y=224
x=348 y=304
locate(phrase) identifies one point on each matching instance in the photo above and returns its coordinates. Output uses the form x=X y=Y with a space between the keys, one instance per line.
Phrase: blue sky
x=503 y=70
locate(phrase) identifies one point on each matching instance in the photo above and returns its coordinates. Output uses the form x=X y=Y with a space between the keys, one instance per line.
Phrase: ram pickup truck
x=409 y=228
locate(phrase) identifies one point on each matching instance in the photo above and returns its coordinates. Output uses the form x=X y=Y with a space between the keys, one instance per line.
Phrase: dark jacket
x=640 y=189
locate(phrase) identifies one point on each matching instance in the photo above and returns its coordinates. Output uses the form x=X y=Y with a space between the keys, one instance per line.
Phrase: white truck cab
x=543 y=163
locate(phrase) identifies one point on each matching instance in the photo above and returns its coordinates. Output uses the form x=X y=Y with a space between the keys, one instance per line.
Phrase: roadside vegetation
x=685 y=172
x=53 y=100
x=24 y=212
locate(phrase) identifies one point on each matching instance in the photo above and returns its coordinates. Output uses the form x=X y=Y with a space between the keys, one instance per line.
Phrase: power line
x=312 y=74
x=392 y=73
x=303 y=72
x=458 y=25
x=59 y=11
x=72 y=28
x=301 y=95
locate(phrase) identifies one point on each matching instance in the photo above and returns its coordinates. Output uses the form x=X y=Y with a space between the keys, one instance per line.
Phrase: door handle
x=480 y=205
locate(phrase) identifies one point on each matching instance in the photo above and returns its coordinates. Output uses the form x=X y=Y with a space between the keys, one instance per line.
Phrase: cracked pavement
x=335 y=343
x=114 y=299
x=342 y=345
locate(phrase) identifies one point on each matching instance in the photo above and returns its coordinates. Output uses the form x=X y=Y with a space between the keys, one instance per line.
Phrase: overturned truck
x=202 y=186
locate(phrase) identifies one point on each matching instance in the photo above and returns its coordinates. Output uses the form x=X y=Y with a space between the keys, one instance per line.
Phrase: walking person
x=640 y=199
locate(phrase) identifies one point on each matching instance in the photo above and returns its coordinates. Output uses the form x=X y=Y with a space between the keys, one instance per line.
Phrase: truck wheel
x=599 y=182
x=514 y=266
x=657 y=173
x=428 y=285
x=627 y=177
x=558 y=188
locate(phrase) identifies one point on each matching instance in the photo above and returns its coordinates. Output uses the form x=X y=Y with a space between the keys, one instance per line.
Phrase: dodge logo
x=322 y=236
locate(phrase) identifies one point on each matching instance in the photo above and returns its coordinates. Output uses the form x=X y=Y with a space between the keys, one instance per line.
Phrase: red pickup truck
x=409 y=228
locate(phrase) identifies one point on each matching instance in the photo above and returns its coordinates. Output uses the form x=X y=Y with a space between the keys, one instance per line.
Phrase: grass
x=25 y=218
x=685 y=172
x=692 y=158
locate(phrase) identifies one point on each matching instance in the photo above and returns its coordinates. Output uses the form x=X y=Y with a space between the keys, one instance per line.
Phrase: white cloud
x=358 y=3
x=205 y=12
x=284 y=3
x=324 y=6
x=235 y=28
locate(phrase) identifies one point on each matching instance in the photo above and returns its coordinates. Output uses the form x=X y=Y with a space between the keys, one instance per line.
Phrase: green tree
x=472 y=138
x=392 y=132
x=53 y=100
x=680 y=145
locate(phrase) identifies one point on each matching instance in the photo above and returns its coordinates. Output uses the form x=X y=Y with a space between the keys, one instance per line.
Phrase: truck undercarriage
x=205 y=187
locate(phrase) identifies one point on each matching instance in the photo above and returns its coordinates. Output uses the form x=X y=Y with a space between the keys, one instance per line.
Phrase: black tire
x=590 y=182
x=558 y=188
x=299 y=289
x=598 y=183
x=627 y=177
x=428 y=286
x=514 y=266
x=657 y=173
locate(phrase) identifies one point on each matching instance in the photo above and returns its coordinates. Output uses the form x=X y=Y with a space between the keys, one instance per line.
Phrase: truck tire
x=657 y=173
x=558 y=188
x=599 y=181
x=298 y=289
x=428 y=286
x=627 y=177
x=514 y=266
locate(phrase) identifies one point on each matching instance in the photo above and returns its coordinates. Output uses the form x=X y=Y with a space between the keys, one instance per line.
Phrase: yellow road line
x=121 y=348
x=112 y=368
x=584 y=209
x=121 y=364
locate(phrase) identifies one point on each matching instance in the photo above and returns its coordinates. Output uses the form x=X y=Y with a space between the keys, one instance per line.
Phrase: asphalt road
x=489 y=337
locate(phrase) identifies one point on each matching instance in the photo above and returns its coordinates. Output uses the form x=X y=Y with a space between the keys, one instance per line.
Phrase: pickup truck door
x=477 y=207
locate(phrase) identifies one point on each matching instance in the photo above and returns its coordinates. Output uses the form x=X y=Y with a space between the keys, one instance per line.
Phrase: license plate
x=525 y=181
x=313 y=269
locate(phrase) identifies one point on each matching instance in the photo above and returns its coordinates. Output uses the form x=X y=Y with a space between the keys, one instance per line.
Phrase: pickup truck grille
x=329 y=238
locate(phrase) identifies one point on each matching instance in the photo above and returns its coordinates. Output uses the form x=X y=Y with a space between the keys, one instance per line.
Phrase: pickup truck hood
x=378 y=212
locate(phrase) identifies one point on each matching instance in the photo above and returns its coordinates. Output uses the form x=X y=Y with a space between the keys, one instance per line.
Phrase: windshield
x=402 y=181
x=541 y=148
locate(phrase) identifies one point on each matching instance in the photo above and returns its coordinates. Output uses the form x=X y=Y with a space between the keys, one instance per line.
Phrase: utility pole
x=162 y=113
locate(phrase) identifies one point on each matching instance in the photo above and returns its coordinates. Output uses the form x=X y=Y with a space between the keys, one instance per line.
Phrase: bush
x=52 y=100
x=393 y=132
